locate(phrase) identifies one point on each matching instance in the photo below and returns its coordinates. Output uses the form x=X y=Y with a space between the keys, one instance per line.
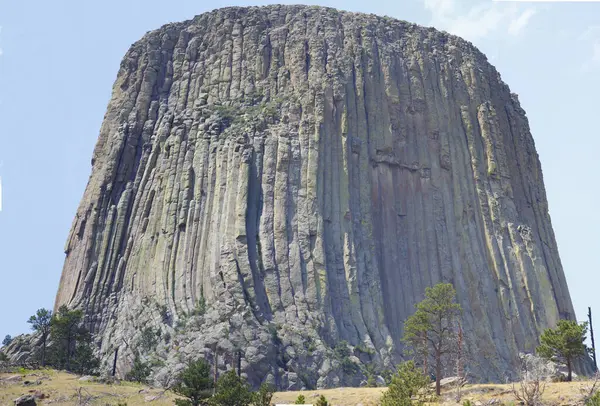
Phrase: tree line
x=432 y=335
x=64 y=342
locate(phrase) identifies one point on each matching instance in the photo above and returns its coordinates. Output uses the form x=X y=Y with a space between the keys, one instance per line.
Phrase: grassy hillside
x=60 y=388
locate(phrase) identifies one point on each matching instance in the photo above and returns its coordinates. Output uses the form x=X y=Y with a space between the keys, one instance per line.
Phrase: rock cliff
x=274 y=180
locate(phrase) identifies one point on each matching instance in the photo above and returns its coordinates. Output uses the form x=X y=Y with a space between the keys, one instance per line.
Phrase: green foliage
x=41 y=323
x=148 y=339
x=564 y=344
x=369 y=372
x=342 y=353
x=467 y=402
x=322 y=401
x=139 y=372
x=431 y=330
x=264 y=395
x=232 y=391
x=3 y=357
x=71 y=342
x=362 y=348
x=409 y=387
x=341 y=350
x=7 y=340
x=300 y=400
x=84 y=361
x=593 y=400
x=387 y=376
x=200 y=308
x=194 y=383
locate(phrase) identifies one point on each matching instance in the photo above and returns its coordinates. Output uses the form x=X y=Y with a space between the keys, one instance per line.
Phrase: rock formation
x=274 y=180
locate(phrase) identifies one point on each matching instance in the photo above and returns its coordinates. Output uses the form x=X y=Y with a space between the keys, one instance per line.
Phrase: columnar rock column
x=279 y=179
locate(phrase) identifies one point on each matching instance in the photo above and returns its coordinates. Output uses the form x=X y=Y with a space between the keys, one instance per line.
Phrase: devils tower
x=270 y=181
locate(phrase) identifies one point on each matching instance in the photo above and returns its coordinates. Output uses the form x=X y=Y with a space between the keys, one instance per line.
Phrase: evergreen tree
x=431 y=330
x=40 y=323
x=232 y=391
x=139 y=372
x=564 y=344
x=69 y=338
x=263 y=396
x=7 y=340
x=194 y=383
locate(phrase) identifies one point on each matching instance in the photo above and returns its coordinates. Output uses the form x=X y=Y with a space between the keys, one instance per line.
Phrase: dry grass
x=65 y=389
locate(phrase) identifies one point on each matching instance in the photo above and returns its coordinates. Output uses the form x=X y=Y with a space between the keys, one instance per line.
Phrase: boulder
x=25 y=400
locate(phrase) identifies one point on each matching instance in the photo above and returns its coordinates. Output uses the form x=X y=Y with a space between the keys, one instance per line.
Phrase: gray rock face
x=273 y=180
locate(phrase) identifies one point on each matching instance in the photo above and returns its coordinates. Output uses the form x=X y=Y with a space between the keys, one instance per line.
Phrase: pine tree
x=431 y=330
x=40 y=323
x=564 y=344
x=194 y=383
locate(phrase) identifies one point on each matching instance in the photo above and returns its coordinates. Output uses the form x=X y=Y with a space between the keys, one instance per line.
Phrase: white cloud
x=480 y=20
x=517 y=25
x=591 y=39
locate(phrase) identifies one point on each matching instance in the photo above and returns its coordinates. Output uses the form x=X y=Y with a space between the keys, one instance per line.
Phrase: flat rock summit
x=271 y=181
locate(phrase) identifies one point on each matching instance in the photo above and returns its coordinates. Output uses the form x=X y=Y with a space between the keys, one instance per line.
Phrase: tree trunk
x=438 y=373
x=69 y=343
x=43 y=351
x=569 y=371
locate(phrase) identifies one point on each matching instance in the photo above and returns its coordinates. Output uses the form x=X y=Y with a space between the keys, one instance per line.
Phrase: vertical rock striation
x=278 y=179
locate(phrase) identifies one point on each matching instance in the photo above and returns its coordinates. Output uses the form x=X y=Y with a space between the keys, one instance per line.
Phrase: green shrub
x=409 y=387
x=3 y=357
x=342 y=353
x=232 y=391
x=593 y=400
x=194 y=383
x=467 y=403
x=322 y=401
x=148 y=339
x=139 y=372
x=263 y=396
x=301 y=400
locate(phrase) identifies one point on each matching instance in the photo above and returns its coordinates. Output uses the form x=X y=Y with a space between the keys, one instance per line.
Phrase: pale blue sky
x=58 y=61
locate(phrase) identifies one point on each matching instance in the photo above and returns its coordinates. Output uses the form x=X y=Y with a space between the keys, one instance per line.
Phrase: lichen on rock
x=305 y=173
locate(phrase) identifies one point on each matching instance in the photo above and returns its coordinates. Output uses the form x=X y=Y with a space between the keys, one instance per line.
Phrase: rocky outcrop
x=273 y=180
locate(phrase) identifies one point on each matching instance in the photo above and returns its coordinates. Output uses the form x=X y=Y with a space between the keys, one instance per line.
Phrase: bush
x=534 y=373
x=342 y=354
x=264 y=395
x=194 y=383
x=7 y=340
x=322 y=401
x=593 y=400
x=232 y=391
x=409 y=386
x=148 y=339
x=300 y=400
x=139 y=372
x=3 y=357
x=84 y=361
